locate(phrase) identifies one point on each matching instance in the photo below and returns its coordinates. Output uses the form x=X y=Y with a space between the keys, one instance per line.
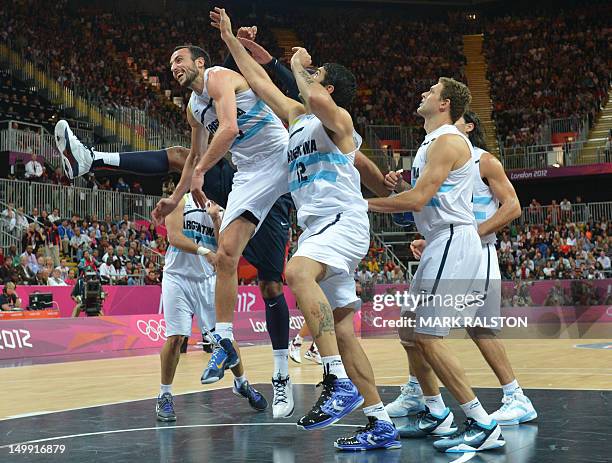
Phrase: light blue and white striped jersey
x=322 y=180
x=452 y=204
x=262 y=133
x=485 y=203
x=199 y=227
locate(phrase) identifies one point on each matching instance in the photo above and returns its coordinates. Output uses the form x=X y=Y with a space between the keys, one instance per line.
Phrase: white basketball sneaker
x=294 y=349
x=313 y=355
x=409 y=402
x=516 y=409
x=282 y=404
x=76 y=157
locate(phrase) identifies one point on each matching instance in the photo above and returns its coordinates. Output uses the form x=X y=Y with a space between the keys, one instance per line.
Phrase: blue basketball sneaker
x=377 y=434
x=165 y=408
x=339 y=398
x=224 y=356
x=246 y=391
x=474 y=438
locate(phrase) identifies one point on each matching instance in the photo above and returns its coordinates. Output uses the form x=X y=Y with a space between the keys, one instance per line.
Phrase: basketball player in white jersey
x=325 y=187
x=188 y=288
x=223 y=104
x=441 y=199
x=491 y=188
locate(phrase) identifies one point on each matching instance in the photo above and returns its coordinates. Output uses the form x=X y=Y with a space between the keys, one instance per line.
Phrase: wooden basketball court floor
x=103 y=409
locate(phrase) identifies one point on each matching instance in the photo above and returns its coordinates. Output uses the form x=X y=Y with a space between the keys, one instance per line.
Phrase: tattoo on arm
x=306 y=76
x=325 y=318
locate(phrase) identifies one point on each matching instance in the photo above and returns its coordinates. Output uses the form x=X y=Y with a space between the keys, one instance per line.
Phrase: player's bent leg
x=232 y=242
x=169 y=357
x=481 y=431
x=339 y=396
x=177 y=155
x=516 y=407
x=277 y=322
x=302 y=275
x=380 y=433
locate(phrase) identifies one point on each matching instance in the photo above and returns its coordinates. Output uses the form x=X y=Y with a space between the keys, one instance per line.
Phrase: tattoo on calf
x=325 y=318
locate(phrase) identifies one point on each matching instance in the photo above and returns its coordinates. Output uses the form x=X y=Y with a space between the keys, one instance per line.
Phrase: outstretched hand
x=248 y=33
x=220 y=20
x=259 y=53
x=164 y=207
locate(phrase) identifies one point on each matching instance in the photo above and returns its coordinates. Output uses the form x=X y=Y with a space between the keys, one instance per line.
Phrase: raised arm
x=502 y=189
x=445 y=154
x=199 y=144
x=317 y=98
x=256 y=76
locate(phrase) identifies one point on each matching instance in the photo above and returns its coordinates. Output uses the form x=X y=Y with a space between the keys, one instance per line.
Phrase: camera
x=93 y=296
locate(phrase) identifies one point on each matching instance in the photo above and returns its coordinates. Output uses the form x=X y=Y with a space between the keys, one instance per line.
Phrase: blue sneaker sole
x=332 y=420
x=392 y=445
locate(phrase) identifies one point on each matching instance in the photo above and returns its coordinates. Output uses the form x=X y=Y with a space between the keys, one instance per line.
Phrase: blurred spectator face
x=29 y=249
x=10 y=288
x=23 y=261
x=56 y=274
x=35 y=212
x=71 y=274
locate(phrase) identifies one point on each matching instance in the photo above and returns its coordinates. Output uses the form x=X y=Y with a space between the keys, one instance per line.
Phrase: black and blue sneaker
x=338 y=398
x=165 y=408
x=224 y=357
x=246 y=391
x=425 y=423
x=474 y=438
x=377 y=434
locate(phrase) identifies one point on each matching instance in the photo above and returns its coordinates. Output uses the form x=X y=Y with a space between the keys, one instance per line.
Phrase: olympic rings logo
x=152 y=329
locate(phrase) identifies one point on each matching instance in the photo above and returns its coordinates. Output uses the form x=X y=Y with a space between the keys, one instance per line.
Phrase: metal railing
x=132 y=126
x=542 y=156
x=376 y=135
x=388 y=253
x=74 y=200
x=387 y=160
x=577 y=213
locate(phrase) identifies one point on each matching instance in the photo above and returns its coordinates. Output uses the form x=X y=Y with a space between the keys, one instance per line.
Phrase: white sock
x=413 y=380
x=240 y=380
x=298 y=340
x=473 y=409
x=435 y=403
x=378 y=411
x=333 y=365
x=281 y=362
x=511 y=388
x=163 y=388
x=110 y=159
x=225 y=330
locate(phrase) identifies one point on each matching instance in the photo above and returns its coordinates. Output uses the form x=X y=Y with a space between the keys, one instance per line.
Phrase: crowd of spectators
x=539 y=66
x=57 y=250
x=563 y=250
x=552 y=66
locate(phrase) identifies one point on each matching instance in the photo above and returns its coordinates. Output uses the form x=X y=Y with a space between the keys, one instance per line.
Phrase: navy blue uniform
x=266 y=250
